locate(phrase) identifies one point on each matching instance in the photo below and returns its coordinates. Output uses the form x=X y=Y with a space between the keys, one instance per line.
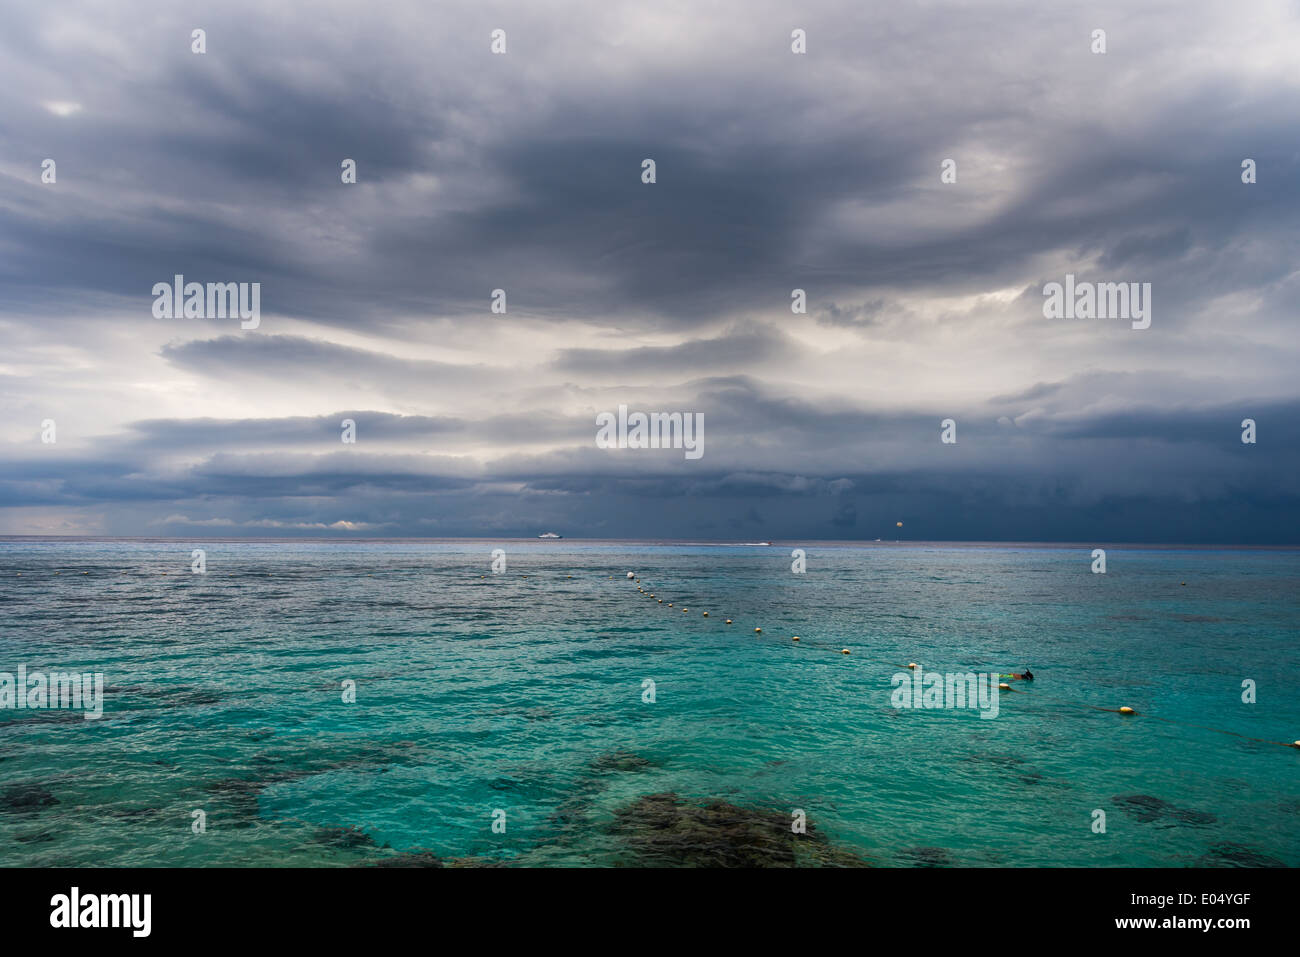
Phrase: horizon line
x=454 y=539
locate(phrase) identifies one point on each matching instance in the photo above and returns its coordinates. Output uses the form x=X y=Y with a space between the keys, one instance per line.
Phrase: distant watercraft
x=549 y=535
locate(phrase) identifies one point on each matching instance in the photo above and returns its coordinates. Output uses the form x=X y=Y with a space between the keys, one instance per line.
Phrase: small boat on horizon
x=549 y=535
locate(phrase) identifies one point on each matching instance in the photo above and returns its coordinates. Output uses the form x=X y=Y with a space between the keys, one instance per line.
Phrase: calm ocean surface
x=522 y=692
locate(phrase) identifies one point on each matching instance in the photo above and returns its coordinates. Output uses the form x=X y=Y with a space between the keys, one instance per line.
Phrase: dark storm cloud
x=523 y=172
x=303 y=358
x=860 y=315
x=1184 y=455
x=747 y=344
x=243 y=183
x=162 y=436
x=166 y=435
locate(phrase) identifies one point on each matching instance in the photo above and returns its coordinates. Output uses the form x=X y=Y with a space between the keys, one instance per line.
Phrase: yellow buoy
x=661 y=601
x=670 y=604
x=911 y=665
x=758 y=631
x=1127 y=710
x=795 y=638
x=706 y=614
x=728 y=621
x=1004 y=687
x=844 y=651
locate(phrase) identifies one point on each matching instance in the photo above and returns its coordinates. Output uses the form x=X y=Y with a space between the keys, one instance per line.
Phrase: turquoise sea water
x=522 y=692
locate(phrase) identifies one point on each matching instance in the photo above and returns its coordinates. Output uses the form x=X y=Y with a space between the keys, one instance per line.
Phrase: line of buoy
x=1003 y=686
x=757 y=631
x=1123 y=709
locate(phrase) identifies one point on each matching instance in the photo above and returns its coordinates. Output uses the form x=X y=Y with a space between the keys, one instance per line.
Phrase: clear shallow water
x=479 y=692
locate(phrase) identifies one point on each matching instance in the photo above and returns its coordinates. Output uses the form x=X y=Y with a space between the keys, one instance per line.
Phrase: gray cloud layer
x=775 y=172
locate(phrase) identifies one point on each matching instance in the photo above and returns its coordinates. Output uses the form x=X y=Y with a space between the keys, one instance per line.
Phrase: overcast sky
x=775 y=171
